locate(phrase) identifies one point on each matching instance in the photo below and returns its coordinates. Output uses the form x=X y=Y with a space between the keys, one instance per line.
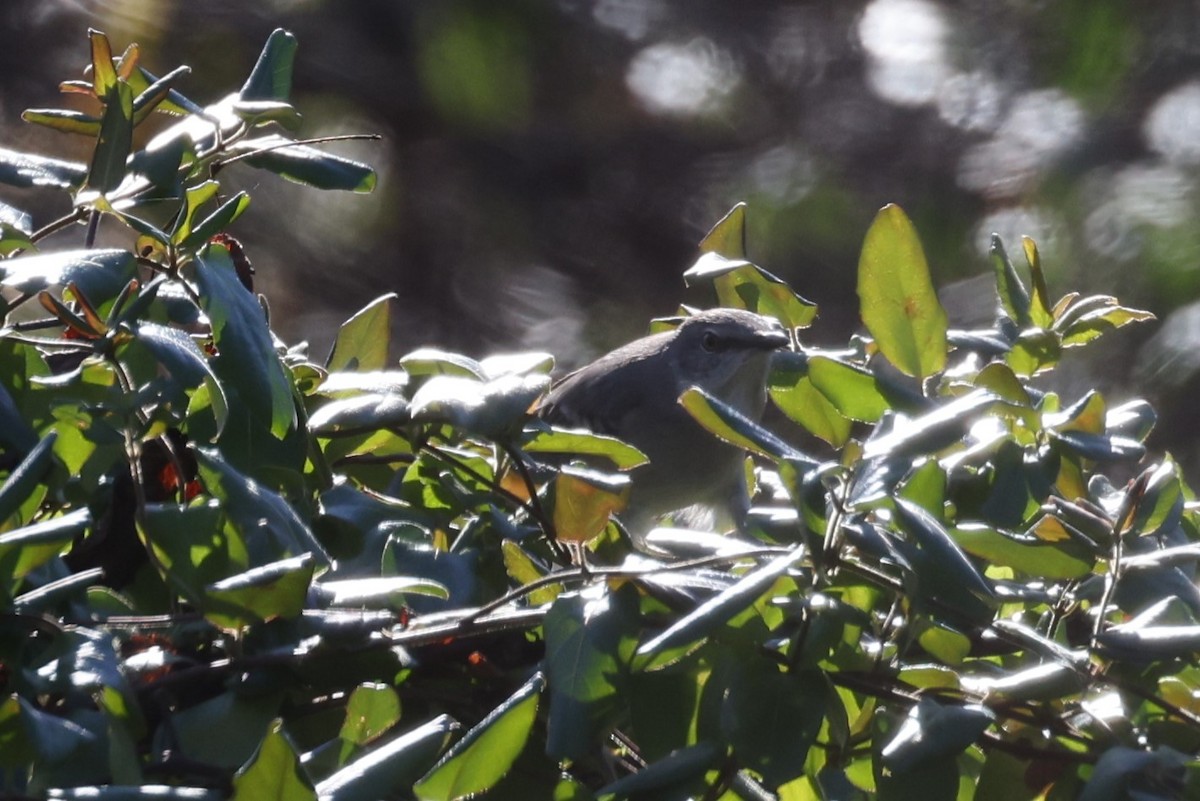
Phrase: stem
x=1128 y=505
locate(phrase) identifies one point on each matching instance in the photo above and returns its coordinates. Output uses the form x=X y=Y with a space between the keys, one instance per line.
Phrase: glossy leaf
x=305 y=165
x=572 y=442
x=494 y=409
x=100 y=274
x=391 y=768
x=24 y=549
x=716 y=611
x=1029 y=555
x=362 y=341
x=115 y=142
x=898 y=303
x=22 y=481
x=273 y=772
x=795 y=395
x=271 y=78
x=585 y=500
x=587 y=646
x=216 y=222
x=742 y=285
x=934 y=730
x=268 y=523
x=246 y=359
x=728 y=236
x=732 y=426
x=367 y=412
x=851 y=390
x=1014 y=297
x=372 y=710
x=275 y=590
x=485 y=753
x=27 y=170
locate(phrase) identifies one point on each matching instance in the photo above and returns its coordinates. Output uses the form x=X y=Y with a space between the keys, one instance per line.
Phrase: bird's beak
x=770 y=340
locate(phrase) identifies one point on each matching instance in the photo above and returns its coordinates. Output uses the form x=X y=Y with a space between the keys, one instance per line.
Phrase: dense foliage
x=235 y=571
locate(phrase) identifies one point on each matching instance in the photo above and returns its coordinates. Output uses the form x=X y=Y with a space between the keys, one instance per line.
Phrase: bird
x=632 y=394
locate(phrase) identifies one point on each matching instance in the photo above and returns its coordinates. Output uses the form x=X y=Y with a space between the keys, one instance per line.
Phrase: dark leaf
x=27 y=170
x=271 y=78
x=305 y=165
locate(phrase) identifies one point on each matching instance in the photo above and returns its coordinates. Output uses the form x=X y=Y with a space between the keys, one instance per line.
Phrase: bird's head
x=725 y=352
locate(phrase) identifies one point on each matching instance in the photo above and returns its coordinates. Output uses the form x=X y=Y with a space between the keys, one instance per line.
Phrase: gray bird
x=632 y=393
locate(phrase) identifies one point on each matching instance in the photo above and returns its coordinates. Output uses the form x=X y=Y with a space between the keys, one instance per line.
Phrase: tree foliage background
x=352 y=567
x=569 y=154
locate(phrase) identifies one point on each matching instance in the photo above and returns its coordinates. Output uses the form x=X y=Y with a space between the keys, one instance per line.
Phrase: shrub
x=235 y=571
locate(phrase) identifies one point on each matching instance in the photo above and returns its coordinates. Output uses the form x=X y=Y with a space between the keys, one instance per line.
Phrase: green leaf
x=155 y=94
x=378 y=591
x=183 y=361
x=382 y=382
x=934 y=730
x=271 y=78
x=100 y=274
x=24 y=549
x=1014 y=297
x=1097 y=322
x=372 y=710
x=26 y=476
x=742 y=285
x=431 y=361
x=728 y=236
x=732 y=426
x=258 y=112
x=195 y=197
x=585 y=500
x=1161 y=500
x=246 y=360
x=115 y=142
x=273 y=772
x=850 y=389
x=588 y=640
x=793 y=392
x=216 y=222
x=389 y=770
x=898 y=303
x=1098 y=447
x=267 y=522
x=25 y=170
x=718 y=610
x=191 y=547
x=104 y=73
x=1029 y=555
x=493 y=409
x=943 y=570
x=1040 y=313
x=304 y=165
x=275 y=590
x=65 y=121
x=485 y=753
x=930 y=432
x=359 y=413
x=772 y=718
x=665 y=778
x=572 y=442
x=1048 y=681
x=242 y=718
x=362 y=341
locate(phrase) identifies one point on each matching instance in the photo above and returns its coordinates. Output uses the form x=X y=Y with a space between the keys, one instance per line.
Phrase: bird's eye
x=709 y=341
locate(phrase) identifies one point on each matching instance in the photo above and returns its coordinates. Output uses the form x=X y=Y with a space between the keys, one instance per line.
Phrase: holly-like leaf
x=898 y=303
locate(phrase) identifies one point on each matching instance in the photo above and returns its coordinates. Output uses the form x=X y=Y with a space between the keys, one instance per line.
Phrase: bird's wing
x=605 y=395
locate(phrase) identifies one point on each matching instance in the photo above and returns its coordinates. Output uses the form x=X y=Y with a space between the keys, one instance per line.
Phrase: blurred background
x=548 y=166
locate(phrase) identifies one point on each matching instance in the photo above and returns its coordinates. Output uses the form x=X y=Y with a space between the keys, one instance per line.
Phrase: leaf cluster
x=233 y=571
